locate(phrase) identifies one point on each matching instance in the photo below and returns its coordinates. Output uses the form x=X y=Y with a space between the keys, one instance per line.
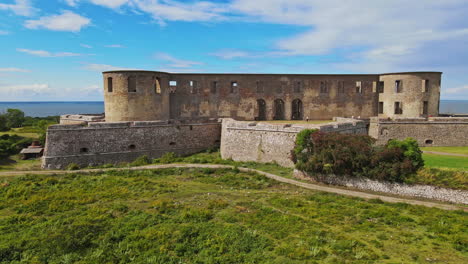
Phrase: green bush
x=73 y=166
x=12 y=144
x=169 y=157
x=356 y=156
x=140 y=161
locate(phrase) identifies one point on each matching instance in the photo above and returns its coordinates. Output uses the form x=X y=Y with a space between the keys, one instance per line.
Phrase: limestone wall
x=434 y=131
x=262 y=142
x=420 y=191
x=101 y=143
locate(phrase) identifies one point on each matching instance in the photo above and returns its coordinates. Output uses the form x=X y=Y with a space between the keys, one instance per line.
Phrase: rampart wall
x=102 y=143
x=262 y=142
x=433 y=131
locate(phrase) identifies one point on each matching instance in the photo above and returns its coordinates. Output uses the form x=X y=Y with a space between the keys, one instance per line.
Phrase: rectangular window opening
x=132 y=84
x=381 y=105
x=426 y=86
x=398 y=86
x=398 y=108
x=110 y=88
x=323 y=87
x=157 y=85
x=234 y=87
x=380 y=87
x=359 y=87
x=193 y=87
x=425 y=107
x=340 y=86
x=214 y=87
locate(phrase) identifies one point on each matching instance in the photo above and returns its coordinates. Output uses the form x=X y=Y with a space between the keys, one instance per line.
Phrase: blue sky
x=55 y=50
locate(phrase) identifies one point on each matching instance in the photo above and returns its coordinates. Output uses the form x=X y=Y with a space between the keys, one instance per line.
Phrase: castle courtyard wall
x=102 y=143
x=263 y=142
x=433 y=131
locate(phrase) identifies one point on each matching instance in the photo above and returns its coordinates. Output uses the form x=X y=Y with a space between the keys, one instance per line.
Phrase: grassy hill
x=213 y=216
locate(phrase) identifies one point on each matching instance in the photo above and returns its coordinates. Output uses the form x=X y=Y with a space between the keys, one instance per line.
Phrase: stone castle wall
x=101 y=143
x=147 y=95
x=261 y=142
x=433 y=131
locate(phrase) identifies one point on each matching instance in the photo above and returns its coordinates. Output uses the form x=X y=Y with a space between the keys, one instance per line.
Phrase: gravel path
x=310 y=186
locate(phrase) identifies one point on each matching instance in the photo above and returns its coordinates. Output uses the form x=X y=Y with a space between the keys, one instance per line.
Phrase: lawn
x=441 y=161
x=213 y=216
x=456 y=150
x=14 y=163
x=28 y=132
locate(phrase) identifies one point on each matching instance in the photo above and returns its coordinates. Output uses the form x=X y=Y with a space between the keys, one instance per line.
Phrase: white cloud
x=20 y=7
x=173 y=62
x=91 y=89
x=114 y=46
x=43 y=53
x=36 y=88
x=110 y=3
x=228 y=54
x=162 y=10
x=72 y=2
x=4 y=32
x=105 y=67
x=86 y=46
x=66 y=21
x=13 y=70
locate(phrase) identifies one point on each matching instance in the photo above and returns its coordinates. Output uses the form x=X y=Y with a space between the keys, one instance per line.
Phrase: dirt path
x=310 y=186
x=446 y=154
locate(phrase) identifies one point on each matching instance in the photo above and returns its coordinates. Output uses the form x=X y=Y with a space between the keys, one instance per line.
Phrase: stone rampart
x=433 y=131
x=263 y=142
x=102 y=143
x=420 y=191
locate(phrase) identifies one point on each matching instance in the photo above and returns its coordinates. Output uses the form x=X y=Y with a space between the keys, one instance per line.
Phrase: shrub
x=169 y=157
x=355 y=155
x=73 y=166
x=140 y=161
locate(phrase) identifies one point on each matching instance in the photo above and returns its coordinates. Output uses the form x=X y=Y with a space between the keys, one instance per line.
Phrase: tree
x=3 y=123
x=42 y=126
x=15 y=118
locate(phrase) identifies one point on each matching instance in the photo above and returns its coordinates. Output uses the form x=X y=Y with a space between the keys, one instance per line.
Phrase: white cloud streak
x=105 y=67
x=47 y=54
x=114 y=46
x=173 y=62
x=13 y=70
x=66 y=21
x=36 y=88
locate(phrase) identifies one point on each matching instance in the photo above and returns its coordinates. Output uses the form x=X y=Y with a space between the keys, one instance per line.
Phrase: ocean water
x=41 y=109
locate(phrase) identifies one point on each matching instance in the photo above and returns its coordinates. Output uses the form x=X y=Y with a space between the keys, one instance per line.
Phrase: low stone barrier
x=421 y=191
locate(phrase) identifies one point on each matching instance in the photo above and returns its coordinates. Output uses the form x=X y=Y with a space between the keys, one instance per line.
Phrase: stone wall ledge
x=419 y=191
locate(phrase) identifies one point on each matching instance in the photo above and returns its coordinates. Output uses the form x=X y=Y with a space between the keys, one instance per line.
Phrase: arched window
x=261 y=106
x=132 y=84
x=279 y=110
x=109 y=85
x=296 y=110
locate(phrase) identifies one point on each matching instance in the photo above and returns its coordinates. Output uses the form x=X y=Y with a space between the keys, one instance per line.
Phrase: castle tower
x=409 y=95
x=136 y=95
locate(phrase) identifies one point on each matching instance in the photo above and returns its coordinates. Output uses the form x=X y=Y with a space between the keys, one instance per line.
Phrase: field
x=213 y=216
x=441 y=161
x=28 y=132
x=456 y=150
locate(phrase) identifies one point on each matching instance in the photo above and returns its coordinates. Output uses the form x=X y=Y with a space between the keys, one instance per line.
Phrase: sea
x=43 y=109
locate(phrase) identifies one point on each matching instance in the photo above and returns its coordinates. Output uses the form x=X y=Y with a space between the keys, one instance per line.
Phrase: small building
x=32 y=152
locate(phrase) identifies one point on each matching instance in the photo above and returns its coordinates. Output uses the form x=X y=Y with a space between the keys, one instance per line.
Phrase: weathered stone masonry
x=101 y=143
x=261 y=142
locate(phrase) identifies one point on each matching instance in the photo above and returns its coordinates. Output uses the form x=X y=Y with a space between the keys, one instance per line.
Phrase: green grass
x=213 y=216
x=28 y=132
x=441 y=161
x=456 y=150
x=14 y=163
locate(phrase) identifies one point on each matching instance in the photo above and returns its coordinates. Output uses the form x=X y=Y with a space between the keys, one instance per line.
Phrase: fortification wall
x=433 y=131
x=261 y=142
x=81 y=119
x=102 y=143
